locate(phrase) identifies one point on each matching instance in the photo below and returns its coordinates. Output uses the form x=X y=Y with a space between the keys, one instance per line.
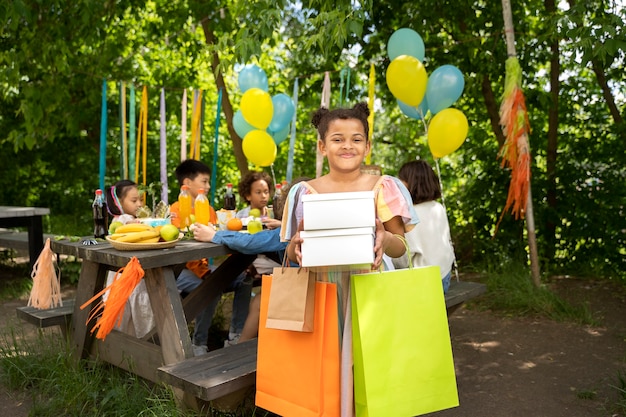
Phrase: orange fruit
x=234 y=224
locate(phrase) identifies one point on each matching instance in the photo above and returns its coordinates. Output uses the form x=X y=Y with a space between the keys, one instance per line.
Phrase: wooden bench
x=57 y=316
x=18 y=241
x=224 y=371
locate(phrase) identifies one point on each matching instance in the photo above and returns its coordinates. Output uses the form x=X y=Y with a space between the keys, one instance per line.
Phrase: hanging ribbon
x=183 y=127
x=125 y=281
x=163 y=150
x=200 y=124
x=325 y=102
x=131 y=134
x=46 y=290
x=123 y=132
x=292 y=139
x=215 y=146
x=143 y=137
x=194 y=151
x=103 y=133
x=370 y=104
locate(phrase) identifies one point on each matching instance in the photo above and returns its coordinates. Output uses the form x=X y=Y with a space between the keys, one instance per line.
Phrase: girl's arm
x=386 y=242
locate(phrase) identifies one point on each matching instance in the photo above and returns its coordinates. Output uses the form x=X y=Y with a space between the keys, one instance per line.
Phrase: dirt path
x=510 y=367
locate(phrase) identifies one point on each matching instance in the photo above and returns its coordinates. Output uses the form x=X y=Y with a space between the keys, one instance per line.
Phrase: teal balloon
x=445 y=86
x=252 y=76
x=283 y=112
x=406 y=41
x=408 y=111
x=241 y=126
x=280 y=136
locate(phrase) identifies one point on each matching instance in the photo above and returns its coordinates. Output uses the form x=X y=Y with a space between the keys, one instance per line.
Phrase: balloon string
x=443 y=202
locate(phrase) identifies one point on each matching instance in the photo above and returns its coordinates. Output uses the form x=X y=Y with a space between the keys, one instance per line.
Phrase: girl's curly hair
x=322 y=117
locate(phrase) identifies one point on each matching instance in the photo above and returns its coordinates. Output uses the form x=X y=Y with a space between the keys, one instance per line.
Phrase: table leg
x=35 y=239
x=215 y=284
x=169 y=317
x=91 y=281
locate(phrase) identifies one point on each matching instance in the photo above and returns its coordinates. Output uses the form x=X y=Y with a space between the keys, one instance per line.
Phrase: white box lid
x=352 y=195
x=337 y=232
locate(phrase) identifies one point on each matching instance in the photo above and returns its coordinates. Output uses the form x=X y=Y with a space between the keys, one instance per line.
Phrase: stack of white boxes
x=339 y=229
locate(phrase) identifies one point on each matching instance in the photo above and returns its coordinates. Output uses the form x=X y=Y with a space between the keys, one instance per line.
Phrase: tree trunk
x=606 y=91
x=492 y=109
x=551 y=151
x=242 y=161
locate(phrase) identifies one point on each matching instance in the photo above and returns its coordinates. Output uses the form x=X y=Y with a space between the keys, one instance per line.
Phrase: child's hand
x=379 y=248
x=203 y=233
x=271 y=223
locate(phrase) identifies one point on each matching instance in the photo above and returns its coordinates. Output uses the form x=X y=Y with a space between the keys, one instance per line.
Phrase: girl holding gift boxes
x=344 y=142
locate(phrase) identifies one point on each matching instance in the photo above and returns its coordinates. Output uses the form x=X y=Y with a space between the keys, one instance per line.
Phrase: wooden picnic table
x=30 y=217
x=171 y=342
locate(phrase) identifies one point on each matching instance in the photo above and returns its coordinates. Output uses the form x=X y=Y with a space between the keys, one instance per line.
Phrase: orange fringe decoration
x=46 y=291
x=126 y=279
x=515 y=152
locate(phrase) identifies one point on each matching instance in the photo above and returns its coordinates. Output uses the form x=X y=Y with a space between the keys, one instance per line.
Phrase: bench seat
x=216 y=374
x=224 y=371
x=56 y=316
x=18 y=241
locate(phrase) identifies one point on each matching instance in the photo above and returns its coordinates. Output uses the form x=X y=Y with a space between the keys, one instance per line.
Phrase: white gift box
x=338 y=210
x=331 y=247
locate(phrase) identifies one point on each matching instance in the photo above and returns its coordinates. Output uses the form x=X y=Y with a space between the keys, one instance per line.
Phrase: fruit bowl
x=142 y=245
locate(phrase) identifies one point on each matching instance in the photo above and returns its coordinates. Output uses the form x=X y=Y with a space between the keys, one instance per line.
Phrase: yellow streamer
x=370 y=118
x=142 y=137
x=194 y=151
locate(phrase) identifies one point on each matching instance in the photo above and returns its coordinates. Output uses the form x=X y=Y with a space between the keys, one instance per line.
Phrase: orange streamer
x=111 y=311
x=46 y=291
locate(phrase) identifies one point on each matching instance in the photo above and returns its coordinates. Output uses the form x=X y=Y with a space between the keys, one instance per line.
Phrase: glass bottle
x=184 y=205
x=201 y=208
x=230 y=203
x=100 y=215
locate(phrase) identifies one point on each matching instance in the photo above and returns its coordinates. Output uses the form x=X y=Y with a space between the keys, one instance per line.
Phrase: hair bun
x=362 y=108
x=318 y=116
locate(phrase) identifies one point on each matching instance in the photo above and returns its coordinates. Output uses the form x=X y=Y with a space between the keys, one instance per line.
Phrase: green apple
x=255 y=212
x=192 y=218
x=169 y=232
x=254 y=226
x=113 y=226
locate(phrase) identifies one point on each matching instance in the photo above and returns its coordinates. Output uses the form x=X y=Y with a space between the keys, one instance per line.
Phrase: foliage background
x=55 y=54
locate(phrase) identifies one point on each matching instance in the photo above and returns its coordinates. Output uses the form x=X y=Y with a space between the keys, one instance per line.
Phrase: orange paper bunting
x=46 y=291
x=112 y=310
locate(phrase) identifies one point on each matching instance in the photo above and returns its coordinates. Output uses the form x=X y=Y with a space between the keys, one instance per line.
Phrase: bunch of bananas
x=136 y=233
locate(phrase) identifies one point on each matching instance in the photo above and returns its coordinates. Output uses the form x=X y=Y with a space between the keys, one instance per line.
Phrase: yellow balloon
x=257 y=108
x=259 y=148
x=407 y=79
x=447 y=132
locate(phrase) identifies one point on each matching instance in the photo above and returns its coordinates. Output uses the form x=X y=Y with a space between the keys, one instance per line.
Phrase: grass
x=512 y=293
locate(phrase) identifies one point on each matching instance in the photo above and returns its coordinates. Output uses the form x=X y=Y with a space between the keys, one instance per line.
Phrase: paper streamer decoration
x=143 y=137
x=370 y=104
x=183 y=127
x=196 y=122
x=215 y=146
x=103 y=133
x=163 y=150
x=132 y=146
x=292 y=139
x=123 y=131
x=325 y=102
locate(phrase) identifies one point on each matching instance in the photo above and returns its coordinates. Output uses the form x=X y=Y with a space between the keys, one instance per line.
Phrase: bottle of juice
x=184 y=203
x=201 y=208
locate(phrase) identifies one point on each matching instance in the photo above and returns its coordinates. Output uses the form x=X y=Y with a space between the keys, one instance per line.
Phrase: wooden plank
x=18 y=240
x=49 y=317
x=461 y=291
x=215 y=374
x=129 y=353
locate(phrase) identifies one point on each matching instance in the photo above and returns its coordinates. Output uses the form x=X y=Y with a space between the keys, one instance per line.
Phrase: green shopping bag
x=403 y=363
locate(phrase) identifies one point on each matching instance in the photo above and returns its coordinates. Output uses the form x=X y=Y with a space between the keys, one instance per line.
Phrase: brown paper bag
x=292 y=300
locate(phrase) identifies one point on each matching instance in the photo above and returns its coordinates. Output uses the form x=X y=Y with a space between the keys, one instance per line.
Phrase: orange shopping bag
x=298 y=373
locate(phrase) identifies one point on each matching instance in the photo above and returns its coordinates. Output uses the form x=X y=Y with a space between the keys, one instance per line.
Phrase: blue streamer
x=103 y=134
x=292 y=139
x=215 y=147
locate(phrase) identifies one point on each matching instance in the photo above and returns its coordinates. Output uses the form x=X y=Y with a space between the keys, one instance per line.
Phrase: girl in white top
x=429 y=241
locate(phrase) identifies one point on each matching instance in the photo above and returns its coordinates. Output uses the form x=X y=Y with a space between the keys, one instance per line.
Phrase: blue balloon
x=406 y=41
x=283 y=112
x=445 y=86
x=418 y=112
x=281 y=135
x=251 y=76
x=241 y=126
